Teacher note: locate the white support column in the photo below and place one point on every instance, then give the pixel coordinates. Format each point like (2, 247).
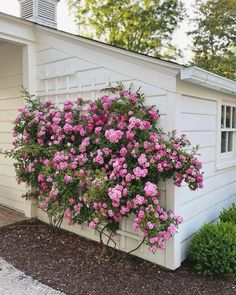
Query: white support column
(29, 76)
(29, 82)
(173, 251)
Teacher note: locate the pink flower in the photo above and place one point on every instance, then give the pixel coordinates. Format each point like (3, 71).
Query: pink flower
(46, 162)
(67, 179)
(71, 201)
(154, 114)
(150, 189)
(128, 177)
(110, 213)
(129, 134)
(150, 225)
(166, 235)
(54, 193)
(68, 105)
(172, 229)
(139, 200)
(98, 159)
(48, 102)
(40, 178)
(152, 248)
(67, 213)
(138, 172)
(142, 159)
(92, 224)
(135, 226)
(85, 143)
(141, 214)
(41, 205)
(68, 128)
(123, 152)
(76, 208)
(114, 194)
(179, 219)
(49, 179)
(133, 98)
(113, 135)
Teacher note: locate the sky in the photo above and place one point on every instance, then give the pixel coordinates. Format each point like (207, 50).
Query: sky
(66, 23)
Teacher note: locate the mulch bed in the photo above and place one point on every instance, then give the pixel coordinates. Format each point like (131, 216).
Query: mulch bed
(75, 265)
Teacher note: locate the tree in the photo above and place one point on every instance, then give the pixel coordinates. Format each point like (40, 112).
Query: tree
(144, 26)
(214, 39)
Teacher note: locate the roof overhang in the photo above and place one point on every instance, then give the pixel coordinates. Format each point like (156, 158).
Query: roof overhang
(207, 79)
(27, 32)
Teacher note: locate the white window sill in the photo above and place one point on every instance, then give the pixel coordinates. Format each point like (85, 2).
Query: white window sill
(224, 164)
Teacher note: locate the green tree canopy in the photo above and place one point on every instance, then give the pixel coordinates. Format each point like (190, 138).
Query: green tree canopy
(144, 26)
(214, 39)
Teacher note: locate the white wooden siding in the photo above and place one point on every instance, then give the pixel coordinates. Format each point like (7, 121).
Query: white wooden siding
(61, 76)
(11, 77)
(198, 120)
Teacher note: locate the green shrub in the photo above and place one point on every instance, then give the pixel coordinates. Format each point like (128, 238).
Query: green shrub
(229, 215)
(213, 249)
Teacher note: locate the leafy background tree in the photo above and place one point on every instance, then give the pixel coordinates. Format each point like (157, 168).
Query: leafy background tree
(214, 39)
(144, 26)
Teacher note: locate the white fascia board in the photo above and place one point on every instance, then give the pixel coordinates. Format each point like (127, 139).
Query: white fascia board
(207, 79)
(15, 29)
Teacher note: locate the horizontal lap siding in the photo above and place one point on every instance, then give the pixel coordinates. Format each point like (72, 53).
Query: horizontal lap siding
(11, 79)
(60, 77)
(199, 122)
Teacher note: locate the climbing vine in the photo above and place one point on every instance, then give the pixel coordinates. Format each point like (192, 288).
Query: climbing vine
(101, 161)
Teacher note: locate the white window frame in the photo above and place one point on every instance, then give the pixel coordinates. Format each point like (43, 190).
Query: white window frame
(226, 159)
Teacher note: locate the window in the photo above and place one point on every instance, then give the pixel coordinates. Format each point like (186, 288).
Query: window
(228, 130)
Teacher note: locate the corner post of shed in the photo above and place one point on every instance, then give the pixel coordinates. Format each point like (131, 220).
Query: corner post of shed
(173, 249)
(29, 83)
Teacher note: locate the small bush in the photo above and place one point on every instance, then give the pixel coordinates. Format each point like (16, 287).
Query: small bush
(229, 215)
(213, 249)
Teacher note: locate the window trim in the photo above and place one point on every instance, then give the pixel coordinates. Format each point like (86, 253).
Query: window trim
(227, 159)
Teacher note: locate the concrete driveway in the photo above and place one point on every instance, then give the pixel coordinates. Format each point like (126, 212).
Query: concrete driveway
(15, 282)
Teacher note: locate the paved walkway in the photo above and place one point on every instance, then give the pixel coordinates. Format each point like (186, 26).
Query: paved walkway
(15, 282)
(9, 216)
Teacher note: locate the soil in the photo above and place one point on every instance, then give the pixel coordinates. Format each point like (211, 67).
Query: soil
(75, 265)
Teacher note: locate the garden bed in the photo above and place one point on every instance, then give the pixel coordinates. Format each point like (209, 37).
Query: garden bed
(75, 265)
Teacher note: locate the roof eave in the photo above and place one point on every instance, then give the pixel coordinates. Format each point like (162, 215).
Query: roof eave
(207, 79)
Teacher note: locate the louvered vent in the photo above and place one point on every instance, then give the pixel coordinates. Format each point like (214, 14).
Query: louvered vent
(27, 9)
(43, 12)
(47, 10)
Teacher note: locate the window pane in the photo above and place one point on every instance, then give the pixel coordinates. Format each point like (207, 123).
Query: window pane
(230, 141)
(222, 116)
(223, 142)
(234, 117)
(228, 117)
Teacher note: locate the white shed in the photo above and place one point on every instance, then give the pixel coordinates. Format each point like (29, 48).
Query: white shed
(59, 65)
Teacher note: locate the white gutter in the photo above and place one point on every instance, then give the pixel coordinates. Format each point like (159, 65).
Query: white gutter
(207, 79)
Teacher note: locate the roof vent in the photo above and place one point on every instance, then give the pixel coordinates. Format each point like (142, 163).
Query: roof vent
(43, 12)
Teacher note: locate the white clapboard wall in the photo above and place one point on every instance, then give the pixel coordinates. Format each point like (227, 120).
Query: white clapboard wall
(11, 76)
(61, 76)
(199, 119)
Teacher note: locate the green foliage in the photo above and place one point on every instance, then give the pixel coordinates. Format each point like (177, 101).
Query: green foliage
(214, 38)
(213, 250)
(229, 215)
(141, 25)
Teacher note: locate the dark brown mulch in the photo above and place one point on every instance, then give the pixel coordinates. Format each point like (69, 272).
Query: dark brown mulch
(74, 265)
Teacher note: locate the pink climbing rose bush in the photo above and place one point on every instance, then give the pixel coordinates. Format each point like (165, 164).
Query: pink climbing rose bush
(101, 162)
